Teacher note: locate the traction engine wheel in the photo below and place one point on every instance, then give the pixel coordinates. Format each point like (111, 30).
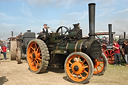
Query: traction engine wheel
(13, 47)
(37, 56)
(100, 65)
(109, 53)
(79, 67)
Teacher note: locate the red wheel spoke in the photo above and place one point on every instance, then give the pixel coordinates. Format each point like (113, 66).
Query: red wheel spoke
(77, 76)
(86, 72)
(97, 69)
(38, 49)
(35, 45)
(70, 68)
(100, 66)
(85, 66)
(107, 52)
(32, 48)
(81, 76)
(38, 54)
(112, 54)
(32, 63)
(78, 58)
(39, 59)
(70, 62)
(38, 64)
(83, 62)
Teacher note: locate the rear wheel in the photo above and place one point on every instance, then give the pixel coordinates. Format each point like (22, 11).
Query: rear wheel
(37, 56)
(79, 67)
(100, 65)
(109, 53)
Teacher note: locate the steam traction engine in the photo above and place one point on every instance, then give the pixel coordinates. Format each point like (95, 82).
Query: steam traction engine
(107, 47)
(81, 57)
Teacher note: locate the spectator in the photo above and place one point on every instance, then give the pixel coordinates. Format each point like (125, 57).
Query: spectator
(20, 35)
(4, 49)
(122, 50)
(125, 52)
(116, 53)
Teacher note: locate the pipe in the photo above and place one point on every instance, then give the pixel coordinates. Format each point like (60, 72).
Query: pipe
(110, 34)
(124, 35)
(12, 33)
(92, 20)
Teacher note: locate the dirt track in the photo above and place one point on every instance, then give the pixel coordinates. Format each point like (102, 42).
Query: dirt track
(12, 73)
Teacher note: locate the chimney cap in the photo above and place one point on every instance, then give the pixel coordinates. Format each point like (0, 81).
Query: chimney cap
(28, 30)
(91, 4)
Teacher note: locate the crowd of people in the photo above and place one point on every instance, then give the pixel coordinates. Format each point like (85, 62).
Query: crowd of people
(117, 54)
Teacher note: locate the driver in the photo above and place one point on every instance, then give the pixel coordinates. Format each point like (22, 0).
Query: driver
(46, 29)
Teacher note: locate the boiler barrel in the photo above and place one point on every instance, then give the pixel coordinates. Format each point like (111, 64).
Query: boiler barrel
(72, 46)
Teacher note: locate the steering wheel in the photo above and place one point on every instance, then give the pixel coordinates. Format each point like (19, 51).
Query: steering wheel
(62, 30)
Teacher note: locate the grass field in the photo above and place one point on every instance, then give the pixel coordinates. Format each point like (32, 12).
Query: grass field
(114, 75)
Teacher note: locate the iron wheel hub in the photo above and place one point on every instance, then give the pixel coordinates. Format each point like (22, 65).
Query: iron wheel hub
(33, 55)
(76, 68)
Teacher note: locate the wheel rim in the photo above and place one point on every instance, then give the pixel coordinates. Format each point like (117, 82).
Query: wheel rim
(34, 56)
(99, 65)
(77, 68)
(110, 56)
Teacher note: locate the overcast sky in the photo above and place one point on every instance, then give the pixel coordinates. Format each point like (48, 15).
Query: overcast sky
(20, 15)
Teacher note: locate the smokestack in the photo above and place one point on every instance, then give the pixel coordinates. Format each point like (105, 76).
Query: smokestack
(110, 34)
(124, 35)
(12, 33)
(91, 20)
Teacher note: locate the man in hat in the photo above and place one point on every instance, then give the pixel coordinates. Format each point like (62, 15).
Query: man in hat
(46, 29)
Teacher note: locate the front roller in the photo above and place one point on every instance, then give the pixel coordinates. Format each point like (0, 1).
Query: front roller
(13, 46)
(100, 65)
(79, 67)
(18, 55)
(37, 56)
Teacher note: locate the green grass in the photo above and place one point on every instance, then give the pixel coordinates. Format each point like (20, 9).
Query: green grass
(114, 75)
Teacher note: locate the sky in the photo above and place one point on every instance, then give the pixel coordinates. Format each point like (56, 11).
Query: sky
(21, 15)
